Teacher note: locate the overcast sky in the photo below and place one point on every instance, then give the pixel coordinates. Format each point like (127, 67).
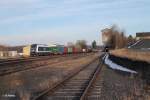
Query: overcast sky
(62, 21)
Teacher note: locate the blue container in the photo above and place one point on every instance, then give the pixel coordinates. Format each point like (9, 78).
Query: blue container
(61, 50)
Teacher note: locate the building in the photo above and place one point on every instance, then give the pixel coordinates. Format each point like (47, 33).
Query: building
(10, 51)
(143, 35)
(106, 37)
(8, 54)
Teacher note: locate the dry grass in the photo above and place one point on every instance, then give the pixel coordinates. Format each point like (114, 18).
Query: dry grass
(133, 55)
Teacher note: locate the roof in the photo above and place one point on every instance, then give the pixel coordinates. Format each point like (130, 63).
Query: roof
(142, 34)
(105, 30)
(54, 45)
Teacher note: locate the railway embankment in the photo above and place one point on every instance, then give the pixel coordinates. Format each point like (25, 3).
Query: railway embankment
(138, 62)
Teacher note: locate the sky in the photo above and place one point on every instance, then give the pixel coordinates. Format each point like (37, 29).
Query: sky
(61, 21)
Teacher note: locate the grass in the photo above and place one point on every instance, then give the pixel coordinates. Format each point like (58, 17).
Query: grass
(132, 54)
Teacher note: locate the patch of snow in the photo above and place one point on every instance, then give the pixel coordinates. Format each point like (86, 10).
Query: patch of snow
(104, 56)
(116, 66)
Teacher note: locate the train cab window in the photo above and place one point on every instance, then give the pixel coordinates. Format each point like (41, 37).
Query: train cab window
(43, 49)
(40, 49)
(46, 49)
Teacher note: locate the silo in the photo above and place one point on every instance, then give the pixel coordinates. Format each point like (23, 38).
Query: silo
(107, 37)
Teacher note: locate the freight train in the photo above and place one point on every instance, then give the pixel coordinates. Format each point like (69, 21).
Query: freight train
(45, 50)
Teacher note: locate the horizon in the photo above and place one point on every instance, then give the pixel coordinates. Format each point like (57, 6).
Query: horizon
(44, 21)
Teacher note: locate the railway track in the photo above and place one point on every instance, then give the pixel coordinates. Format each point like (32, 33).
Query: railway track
(13, 66)
(94, 89)
(75, 86)
(28, 59)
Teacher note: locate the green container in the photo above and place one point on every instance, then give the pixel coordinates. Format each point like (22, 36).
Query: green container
(54, 50)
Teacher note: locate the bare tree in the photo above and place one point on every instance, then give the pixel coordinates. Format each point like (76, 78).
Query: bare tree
(81, 44)
(70, 44)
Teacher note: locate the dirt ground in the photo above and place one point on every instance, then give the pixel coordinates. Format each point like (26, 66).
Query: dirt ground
(117, 85)
(30, 82)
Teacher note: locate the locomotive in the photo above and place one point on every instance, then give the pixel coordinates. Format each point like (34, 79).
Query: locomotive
(36, 49)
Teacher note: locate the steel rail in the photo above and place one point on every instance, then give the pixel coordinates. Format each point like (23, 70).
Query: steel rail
(84, 95)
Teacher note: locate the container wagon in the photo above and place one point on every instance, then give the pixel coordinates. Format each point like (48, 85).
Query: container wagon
(65, 50)
(57, 49)
(77, 50)
(61, 50)
(54, 50)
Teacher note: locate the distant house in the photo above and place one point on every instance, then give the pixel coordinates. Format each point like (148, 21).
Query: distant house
(143, 35)
(10, 51)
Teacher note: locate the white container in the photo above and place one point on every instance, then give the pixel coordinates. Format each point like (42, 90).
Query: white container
(12, 53)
